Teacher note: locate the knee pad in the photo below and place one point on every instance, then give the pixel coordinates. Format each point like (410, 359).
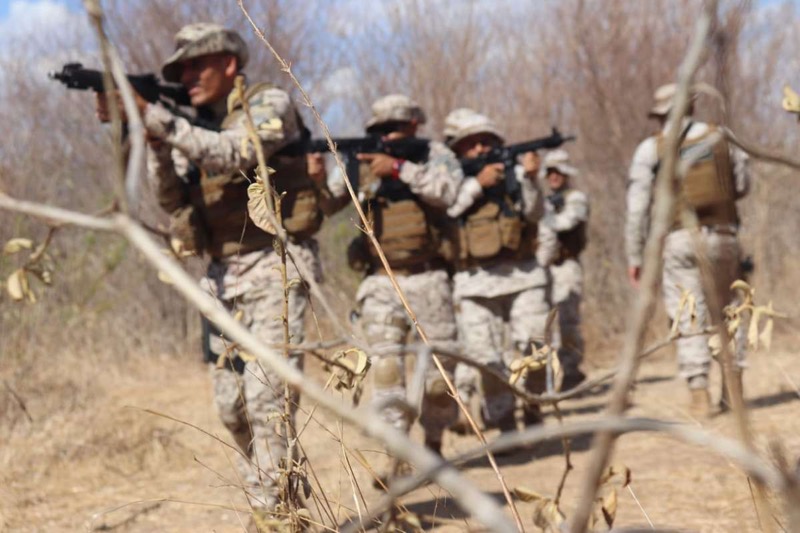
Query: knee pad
(388, 372)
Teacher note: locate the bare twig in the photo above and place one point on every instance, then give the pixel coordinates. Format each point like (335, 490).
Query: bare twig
(18, 399)
(664, 206)
(469, 497)
(750, 462)
(368, 230)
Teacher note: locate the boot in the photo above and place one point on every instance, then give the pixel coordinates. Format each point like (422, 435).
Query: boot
(572, 378)
(700, 406)
(434, 445)
(725, 402)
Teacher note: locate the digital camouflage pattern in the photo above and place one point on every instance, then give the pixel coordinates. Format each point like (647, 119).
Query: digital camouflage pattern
(216, 152)
(395, 108)
(250, 282)
(507, 295)
(387, 328)
(251, 404)
(567, 274)
(203, 38)
(681, 270)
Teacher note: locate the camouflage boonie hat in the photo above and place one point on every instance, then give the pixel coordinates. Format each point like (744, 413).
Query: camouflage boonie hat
(395, 107)
(559, 160)
(463, 122)
(199, 39)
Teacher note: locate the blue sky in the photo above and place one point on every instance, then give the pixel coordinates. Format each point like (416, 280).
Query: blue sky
(5, 5)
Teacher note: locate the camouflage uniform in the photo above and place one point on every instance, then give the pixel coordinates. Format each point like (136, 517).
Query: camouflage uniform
(424, 281)
(681, 270)
(567, 213)
(187, 162)
(501, 295)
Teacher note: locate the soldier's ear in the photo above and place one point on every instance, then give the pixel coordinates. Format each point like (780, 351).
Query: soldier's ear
(231, 65)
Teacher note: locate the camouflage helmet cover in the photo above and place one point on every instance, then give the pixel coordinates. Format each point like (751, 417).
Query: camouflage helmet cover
(395, 107)
(463, 122)
(199, 39)
(558, 160)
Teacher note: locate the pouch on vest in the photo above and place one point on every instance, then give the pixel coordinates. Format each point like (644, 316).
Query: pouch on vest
(482, 236)
(301, 214)
(402, 231)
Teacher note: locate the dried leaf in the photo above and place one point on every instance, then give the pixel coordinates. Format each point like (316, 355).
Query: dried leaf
(17, 285)
(410, 519)
(16, 245)
(547, 516)
(791, 100)
(527, 495)
(609, 507)
(616, 475)
(258, 207)
(164, 278)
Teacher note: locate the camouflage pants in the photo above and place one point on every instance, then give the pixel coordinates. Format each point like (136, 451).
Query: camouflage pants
(248, 401)
(567, 295)
(682, 273)
(386, 325)
(484, 325)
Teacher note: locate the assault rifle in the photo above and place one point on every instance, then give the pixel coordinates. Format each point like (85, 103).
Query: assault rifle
(411, 149)
(508, 156)
(173, 96)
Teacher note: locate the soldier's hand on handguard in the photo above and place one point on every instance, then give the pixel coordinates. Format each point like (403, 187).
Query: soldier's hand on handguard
(316, 168)
(381, 165)
(634, 273)
(491, 175)
(103, 112)
(531, 163)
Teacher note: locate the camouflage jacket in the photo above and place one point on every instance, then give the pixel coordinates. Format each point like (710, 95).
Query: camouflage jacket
(216, 152)
(641, 178)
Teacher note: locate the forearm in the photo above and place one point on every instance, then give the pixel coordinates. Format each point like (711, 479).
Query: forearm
(163, 178)
(469, 192)
(214, 151)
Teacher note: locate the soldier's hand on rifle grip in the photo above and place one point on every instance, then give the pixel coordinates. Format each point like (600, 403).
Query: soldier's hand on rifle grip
(491, 175)
(531, 163)
(104, 113)
(379, 164)
(102, 109)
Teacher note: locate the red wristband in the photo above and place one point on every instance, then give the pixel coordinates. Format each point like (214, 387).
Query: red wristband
(397, 166)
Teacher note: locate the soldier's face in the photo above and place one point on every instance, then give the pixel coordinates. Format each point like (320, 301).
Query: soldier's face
(555, 179)
(476, 145)
(394, 130)
(208, 78)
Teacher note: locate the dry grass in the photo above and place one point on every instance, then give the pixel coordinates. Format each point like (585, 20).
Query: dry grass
(92, 452)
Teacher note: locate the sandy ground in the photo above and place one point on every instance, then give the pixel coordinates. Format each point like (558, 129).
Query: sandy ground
(109, 465)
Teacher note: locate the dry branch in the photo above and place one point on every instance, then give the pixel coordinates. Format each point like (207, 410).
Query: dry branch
(368, 230)
(664, 206)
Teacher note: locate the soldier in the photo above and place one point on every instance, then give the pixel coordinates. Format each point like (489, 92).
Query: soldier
(710, 189)
(499, 282)
(567, 213)
(406, 202)
(197, 175)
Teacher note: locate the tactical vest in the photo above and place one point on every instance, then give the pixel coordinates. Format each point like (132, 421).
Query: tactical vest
(408, 231)
(709, 187)
(494, 230)
(218, 203)
(571, 242)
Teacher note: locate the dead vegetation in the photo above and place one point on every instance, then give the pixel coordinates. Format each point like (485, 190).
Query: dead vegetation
(590, 68)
